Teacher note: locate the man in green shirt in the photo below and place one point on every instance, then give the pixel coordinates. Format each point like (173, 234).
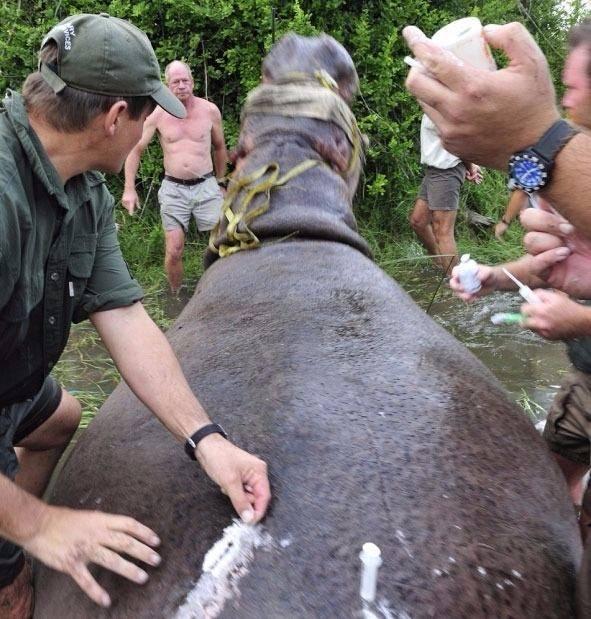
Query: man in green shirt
(60, 262)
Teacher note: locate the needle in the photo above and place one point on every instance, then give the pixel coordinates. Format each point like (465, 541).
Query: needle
(525, 291)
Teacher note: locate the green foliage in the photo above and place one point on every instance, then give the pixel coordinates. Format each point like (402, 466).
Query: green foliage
(224, 42)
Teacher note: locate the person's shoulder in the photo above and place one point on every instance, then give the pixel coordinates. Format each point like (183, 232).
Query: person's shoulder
(95, 178)
(97, 188)
(13, 161)
(208, 106)
(156, 117)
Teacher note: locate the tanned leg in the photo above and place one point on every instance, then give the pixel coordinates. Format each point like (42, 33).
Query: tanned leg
(573, 474)
(420, 220)
(443, 230)
(39, 452)
(173, 260)
(585, 515)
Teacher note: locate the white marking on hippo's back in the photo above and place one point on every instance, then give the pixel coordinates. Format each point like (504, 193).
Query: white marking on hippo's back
(223, 566)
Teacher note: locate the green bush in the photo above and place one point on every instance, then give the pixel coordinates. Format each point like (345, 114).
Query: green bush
(224, 42)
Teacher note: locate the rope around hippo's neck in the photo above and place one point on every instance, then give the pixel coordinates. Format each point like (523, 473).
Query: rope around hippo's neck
(246, 238)
(295, 95)
(306, 96)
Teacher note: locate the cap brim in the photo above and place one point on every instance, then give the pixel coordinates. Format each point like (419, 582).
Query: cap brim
(168, 102)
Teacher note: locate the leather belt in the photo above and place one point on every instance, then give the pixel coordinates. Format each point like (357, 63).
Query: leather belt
(188, 182)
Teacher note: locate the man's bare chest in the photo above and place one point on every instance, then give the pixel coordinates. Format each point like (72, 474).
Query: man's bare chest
(194, 129)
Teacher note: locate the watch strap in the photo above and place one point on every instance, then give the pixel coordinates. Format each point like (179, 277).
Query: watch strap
(555, 138)
(193, 440)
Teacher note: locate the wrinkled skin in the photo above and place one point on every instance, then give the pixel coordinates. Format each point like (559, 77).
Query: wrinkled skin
(377, 426)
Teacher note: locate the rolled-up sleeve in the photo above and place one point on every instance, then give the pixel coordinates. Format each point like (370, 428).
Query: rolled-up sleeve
(110, 284)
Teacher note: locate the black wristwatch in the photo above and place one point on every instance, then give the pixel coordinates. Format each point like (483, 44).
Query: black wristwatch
(192, 442)
(530, 169)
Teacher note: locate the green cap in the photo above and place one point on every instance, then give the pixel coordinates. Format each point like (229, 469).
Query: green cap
(106, 56)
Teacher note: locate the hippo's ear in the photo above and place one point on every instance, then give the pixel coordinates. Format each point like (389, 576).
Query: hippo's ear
(341, 66)
(294, 54)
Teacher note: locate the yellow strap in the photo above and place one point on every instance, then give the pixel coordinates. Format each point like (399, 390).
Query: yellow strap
(245, 238)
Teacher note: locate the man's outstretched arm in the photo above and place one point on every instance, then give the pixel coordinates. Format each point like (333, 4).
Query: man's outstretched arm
(130, 198)
(150, 368)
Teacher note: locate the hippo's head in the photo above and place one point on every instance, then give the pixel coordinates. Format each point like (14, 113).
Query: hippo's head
(299, 154)
(295, 54)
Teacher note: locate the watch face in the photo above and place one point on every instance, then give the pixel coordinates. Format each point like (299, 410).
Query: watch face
(528, 172)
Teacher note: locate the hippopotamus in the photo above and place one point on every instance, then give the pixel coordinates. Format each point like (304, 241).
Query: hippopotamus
(377, 425)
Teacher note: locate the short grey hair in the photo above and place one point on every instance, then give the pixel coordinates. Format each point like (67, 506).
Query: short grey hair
(167, 69)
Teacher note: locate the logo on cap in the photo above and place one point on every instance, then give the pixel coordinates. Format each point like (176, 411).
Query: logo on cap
(68, 33)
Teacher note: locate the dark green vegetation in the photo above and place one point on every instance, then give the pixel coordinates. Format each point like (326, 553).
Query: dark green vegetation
(224, 42)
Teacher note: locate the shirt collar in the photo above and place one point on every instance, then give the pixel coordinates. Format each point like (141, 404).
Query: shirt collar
(76, 190)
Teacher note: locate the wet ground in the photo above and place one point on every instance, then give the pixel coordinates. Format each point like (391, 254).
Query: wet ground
(529, 367)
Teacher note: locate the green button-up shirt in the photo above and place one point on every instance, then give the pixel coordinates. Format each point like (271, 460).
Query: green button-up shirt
(59, 255)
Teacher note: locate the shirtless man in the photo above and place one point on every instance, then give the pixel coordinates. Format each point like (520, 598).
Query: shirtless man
(189, 185)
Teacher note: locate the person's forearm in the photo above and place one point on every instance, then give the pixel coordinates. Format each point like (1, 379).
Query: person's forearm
(150, 368)
(220, 159)
(521, 269)
(132, 164)
(569, 191)
(20, 512)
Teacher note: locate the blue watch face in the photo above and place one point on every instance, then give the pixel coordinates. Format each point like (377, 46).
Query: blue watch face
(528, 173)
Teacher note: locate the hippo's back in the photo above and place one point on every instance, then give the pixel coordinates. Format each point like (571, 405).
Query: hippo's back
(377, 426)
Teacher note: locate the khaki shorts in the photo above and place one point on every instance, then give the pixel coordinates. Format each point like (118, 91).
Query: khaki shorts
(568, 426)
(178, 202)
(440, 188)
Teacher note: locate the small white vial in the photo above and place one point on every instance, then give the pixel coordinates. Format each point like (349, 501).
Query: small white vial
(371, 560)
(467, 272)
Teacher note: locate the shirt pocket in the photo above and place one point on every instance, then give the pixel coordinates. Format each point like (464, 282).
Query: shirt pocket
(81, 263)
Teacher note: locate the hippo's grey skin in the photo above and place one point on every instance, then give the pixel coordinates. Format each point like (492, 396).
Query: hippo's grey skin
(377, 426)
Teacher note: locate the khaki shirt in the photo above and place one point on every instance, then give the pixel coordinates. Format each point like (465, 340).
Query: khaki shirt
(59, 256)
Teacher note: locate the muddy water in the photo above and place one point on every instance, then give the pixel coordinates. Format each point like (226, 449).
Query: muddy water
(529, 367)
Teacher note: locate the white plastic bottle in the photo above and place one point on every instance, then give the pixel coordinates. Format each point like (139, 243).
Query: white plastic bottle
(467, 272)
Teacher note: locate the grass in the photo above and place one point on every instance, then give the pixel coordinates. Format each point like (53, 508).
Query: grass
(534, 410)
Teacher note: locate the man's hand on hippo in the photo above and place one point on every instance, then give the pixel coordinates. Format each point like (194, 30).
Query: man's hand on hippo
(485, 116)
(240, 475)
(68, 540)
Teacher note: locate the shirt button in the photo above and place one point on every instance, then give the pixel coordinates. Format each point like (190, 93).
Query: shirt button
(54, 276)
(51, 320)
